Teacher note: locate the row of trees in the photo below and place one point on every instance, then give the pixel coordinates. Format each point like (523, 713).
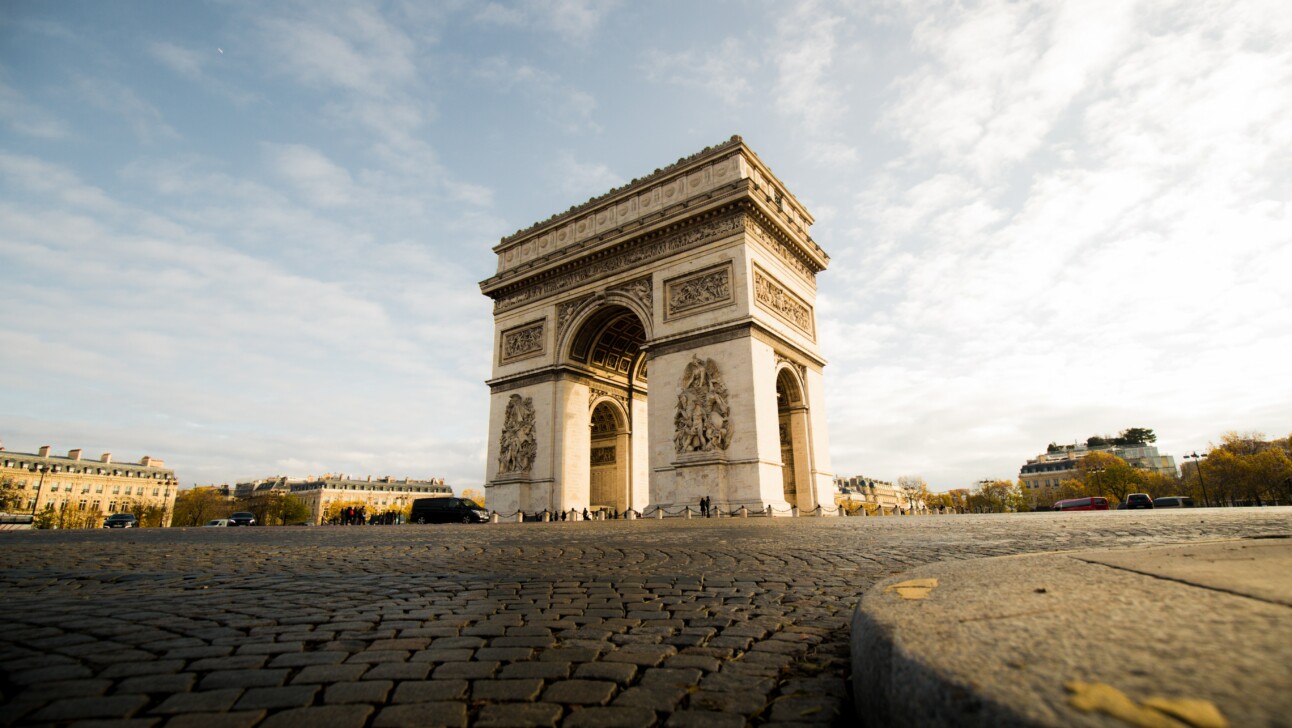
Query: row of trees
(1244, 469)
(197, 506)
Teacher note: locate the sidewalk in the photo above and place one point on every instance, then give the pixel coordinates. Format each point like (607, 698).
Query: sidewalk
(1197, 634)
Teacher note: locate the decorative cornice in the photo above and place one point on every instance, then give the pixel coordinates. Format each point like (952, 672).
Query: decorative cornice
(733, 143)
(628, 254)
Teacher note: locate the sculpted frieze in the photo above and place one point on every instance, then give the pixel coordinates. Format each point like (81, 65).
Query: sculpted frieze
(524, 341)
(702, 422)
(640, 289)
(772, 296)
(603, 456)
(700, 291)
(517, 444)
(783, 251)
(632, 256)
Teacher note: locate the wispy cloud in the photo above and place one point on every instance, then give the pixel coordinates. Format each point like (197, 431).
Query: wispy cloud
(569, 108)
(144, 119)
(28, 118)
(574, 21)
(723, 72)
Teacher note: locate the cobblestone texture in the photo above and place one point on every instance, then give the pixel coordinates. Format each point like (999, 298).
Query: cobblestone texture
(665, 623)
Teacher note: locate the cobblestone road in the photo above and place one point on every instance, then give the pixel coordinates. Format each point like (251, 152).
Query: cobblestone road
(674, 623)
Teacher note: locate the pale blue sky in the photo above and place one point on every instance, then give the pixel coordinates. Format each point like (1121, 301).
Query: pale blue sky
(246, 237)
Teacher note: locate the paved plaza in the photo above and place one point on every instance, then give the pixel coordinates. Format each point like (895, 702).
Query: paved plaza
(674, 623)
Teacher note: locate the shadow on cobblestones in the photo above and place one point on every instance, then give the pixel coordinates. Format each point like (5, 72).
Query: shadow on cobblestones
(718, 622)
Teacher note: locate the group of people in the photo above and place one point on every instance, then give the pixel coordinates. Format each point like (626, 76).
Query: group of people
(706, 506)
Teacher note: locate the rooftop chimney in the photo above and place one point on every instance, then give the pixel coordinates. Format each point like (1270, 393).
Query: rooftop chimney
(44, 451)
(107, 458)
(74, 454)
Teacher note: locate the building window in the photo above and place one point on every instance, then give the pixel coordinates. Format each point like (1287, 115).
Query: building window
(85, 489)
(81, 505)
(98, 488)
(95, 505)
(116, 490)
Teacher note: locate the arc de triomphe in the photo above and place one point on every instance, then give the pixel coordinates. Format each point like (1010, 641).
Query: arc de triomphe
(658, 344)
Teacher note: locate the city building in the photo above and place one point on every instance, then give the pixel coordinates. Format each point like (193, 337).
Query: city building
(96, 488)
(875, 495)
(1059, 463)
(375, 496)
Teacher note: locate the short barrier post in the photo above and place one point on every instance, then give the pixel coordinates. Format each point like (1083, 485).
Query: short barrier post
(630, 514)
(818, 510)
(493, 517)
(688, 513)
(744, 512)
(769, 510)
(659, 512)
(794, 511)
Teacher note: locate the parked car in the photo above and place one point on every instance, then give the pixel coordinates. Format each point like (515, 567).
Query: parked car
(121, 520)
(242, 518)
(1173, 501)
(1094, 503)
(1138, 500)
(447, 510)
(218, 522)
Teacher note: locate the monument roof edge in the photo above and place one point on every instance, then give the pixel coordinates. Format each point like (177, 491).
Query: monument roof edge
(734, 143)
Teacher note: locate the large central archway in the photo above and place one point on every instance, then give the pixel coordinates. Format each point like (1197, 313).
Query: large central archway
(606, 348)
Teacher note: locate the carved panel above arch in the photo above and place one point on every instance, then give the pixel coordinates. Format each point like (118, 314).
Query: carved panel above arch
(641, 289)
(700, 291)
(771, 296)
(524, 341)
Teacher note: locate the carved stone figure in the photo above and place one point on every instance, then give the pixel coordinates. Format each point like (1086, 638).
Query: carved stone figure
(517, 445)
(702, 422)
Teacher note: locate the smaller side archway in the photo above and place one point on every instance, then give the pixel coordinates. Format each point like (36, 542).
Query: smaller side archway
(609, 458)
(796, 455)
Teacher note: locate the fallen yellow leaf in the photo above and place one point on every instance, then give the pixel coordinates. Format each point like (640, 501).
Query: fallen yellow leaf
(1197, 713)
(1091, 697)
(913, 589)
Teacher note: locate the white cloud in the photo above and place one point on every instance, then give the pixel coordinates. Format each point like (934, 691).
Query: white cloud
(561, 104)
(28, 118)
(318, 178)
(722, 72)
(1052, 251)
(575, 21)
(583, 180)
(145, 120)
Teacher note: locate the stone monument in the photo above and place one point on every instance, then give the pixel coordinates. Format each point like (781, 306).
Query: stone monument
(701, 275)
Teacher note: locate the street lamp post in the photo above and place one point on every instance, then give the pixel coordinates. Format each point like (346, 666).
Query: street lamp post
(35, 503)
(1197, 463)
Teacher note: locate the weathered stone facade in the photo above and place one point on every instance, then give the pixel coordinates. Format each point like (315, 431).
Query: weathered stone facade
(692, 290)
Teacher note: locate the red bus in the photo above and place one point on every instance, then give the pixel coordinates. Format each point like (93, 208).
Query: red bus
(1082, 504)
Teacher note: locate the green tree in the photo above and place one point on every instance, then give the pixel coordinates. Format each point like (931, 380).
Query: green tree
(1107, 475)
(915, 490)
(277, 508)
(995, 496)
(196, 506)
(1135, 436)
(10, 499)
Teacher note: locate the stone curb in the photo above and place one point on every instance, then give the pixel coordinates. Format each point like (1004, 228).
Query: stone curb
(1016, 640)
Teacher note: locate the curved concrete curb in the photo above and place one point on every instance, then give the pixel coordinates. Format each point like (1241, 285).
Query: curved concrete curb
(1005, 641)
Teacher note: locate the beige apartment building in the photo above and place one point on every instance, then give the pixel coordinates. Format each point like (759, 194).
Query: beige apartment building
(876, 495)
(1048, 470)
(100, 487)
(376, 496)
